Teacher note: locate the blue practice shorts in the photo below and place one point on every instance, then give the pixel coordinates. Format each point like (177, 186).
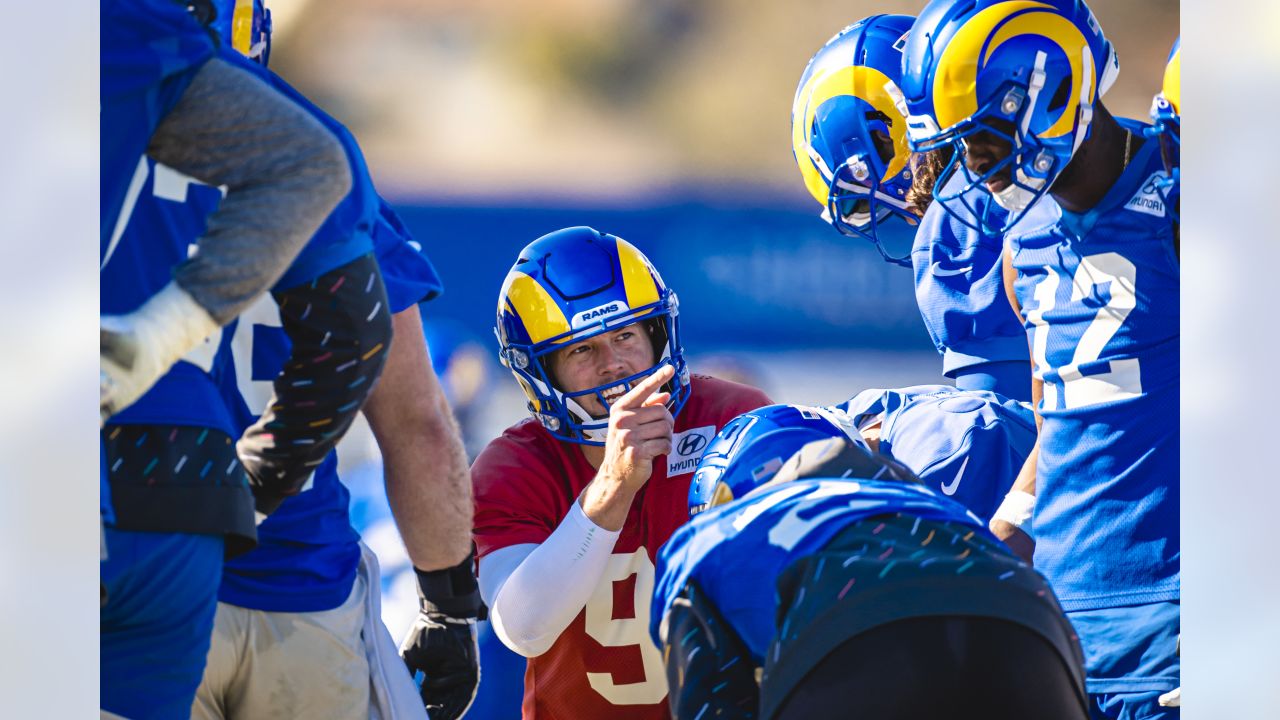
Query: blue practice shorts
(162, 591)
(1131, 658)
(1130, 706)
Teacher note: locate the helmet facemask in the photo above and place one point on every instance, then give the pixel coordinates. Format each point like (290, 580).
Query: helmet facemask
(1029, 166)
(991, 72)
(560, 412)
(863, 199)
(860, 203)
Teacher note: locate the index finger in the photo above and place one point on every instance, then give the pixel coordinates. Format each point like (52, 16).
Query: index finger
(646, 387)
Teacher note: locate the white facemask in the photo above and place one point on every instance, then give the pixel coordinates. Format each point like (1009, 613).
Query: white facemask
(1017, 197)
(1014, 198)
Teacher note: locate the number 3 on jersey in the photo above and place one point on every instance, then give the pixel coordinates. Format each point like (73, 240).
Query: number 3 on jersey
(622, 632)
(1123, 378)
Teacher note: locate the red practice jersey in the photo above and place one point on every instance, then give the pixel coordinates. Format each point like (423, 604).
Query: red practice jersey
(604, 665)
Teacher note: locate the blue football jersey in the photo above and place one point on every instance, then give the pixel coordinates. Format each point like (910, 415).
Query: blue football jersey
(960, 291)
(149, 52)
(1099, 296)
(166, 218)
(347, 232)
(967, 444)
(737, 551)
(307, 551)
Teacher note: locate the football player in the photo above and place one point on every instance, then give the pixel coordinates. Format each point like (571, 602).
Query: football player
(1166, 117)
(311, 574)
(848, 132)
(572, 504)
(169, 91)
(825, 581)
(1014, 90)
(967, 444)
(308, 355)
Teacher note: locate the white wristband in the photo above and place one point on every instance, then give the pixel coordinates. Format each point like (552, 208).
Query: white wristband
(140, 347)
(1017, 509)
(171, 323)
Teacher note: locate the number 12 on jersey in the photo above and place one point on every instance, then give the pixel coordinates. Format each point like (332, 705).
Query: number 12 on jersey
(1122, 378)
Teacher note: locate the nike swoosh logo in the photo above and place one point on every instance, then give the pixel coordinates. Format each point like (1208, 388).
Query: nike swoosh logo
(938, 270)
(950, 488)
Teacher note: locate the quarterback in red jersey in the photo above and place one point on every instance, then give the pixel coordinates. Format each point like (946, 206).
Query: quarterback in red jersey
(573, 504)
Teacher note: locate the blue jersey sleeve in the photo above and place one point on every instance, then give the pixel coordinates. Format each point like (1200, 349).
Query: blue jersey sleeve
(877, 402)
(408, 274)
(966, 444)
(149, 52)
(347, 233)
(960, 291)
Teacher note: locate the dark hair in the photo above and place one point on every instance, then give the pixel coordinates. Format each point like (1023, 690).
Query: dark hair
(925, 169)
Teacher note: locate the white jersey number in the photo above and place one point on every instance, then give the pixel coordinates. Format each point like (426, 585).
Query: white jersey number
(622, 632)
(1124, 378)
(262, 313)
(169, 184)
(789, 531)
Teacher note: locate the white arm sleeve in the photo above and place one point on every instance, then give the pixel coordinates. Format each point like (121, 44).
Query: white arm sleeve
(535, 591)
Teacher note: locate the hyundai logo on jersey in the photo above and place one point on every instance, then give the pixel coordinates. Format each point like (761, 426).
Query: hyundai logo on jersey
(686, 449)
(1148, 198)
(692, 444)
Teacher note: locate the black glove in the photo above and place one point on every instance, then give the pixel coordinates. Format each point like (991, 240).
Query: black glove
(441, 644)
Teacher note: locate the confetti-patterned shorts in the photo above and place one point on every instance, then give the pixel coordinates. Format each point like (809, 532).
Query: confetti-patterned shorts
(894, 567)
(179, 479)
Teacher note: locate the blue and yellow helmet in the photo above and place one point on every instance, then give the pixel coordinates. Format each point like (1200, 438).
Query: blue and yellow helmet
(571, 285)
(244, 26)
(1166, 118)
(1038, 67)
(848, 134)
(752, 447)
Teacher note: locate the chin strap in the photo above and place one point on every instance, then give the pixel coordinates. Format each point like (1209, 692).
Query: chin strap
(1086, 105)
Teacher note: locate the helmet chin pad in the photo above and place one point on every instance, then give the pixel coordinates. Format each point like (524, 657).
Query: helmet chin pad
(590, 427)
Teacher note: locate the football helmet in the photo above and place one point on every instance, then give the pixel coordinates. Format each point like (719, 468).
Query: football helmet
(571, 285)
(848, 134)
(752, 447)
(244, 26)
(1026, 72)
(1166, 118)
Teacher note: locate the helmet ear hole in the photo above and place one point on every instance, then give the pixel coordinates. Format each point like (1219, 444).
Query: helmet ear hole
(1059, 99)
(657, 331)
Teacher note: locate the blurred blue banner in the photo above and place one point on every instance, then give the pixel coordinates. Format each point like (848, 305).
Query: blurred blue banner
(747, 276)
